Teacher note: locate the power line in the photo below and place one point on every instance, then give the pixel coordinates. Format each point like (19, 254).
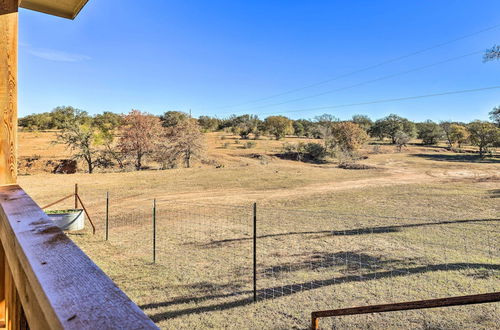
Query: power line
(365, 82)
(361, 83)
(463, 91)
(371, 67)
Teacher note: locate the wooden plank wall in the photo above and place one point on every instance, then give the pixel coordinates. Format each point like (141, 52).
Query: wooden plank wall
(8, 91)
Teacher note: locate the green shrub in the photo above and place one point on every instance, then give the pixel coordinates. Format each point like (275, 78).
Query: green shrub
(313, 152)
(250, 145)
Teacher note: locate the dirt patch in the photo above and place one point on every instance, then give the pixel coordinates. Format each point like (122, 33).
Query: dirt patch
(36, 164)
(65, 166)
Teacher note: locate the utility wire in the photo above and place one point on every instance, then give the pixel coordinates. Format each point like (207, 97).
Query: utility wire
(361, 83)
(371, 67)
(463, 91)
(367, 81)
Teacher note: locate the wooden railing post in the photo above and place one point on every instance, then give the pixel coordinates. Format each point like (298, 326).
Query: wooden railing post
(76, 196)
(8, 91)
(14, 315)
(2, 287)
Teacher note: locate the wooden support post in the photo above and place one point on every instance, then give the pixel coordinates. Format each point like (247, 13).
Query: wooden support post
(2, 287)
(8, 91)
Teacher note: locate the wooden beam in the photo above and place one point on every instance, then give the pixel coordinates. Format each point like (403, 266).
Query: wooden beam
(59, 287)
(8, 6)
(8, 91)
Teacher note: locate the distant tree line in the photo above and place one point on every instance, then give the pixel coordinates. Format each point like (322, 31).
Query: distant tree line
(110, 140)
(174, 138)
(398, 130)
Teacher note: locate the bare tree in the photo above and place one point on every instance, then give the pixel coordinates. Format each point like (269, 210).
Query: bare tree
(401, 139)
(492, 54)
(495, 116)
(140, 134)
(111, 153)
(186, 141)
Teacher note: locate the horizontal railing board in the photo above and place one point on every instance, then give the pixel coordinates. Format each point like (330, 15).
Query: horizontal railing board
(409, 305)
(59, 286)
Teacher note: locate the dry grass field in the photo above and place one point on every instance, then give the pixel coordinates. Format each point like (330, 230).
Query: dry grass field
(423, 223)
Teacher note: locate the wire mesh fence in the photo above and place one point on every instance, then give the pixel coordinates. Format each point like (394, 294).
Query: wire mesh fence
(197, 240)
(130, 227)
(302, 250)
(311, 259)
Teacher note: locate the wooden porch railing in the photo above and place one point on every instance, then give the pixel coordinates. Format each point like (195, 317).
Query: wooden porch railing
(48, 282)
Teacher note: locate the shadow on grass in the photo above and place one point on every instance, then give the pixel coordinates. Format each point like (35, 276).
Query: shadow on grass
(356, 231)
(495, 193)
(392, 229)
(188, 300)
(292, 156)
(349, 261)
(459, 158)
(286, 290)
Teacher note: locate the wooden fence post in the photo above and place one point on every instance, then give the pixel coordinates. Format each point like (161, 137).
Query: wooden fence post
(76, 196)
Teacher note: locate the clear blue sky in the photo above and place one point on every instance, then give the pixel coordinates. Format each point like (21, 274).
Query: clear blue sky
(159, 55)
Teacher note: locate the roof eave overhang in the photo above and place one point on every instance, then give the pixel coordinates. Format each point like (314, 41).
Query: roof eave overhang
(62, 8)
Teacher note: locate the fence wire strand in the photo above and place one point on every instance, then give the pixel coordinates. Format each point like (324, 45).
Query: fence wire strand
(326, 259)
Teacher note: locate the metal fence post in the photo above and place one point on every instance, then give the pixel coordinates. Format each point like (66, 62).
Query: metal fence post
(107, 215)
(254, 252)
(154, 230)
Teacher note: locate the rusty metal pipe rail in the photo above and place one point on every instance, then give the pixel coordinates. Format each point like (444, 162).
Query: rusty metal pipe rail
(77, 199)
(410, 305)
